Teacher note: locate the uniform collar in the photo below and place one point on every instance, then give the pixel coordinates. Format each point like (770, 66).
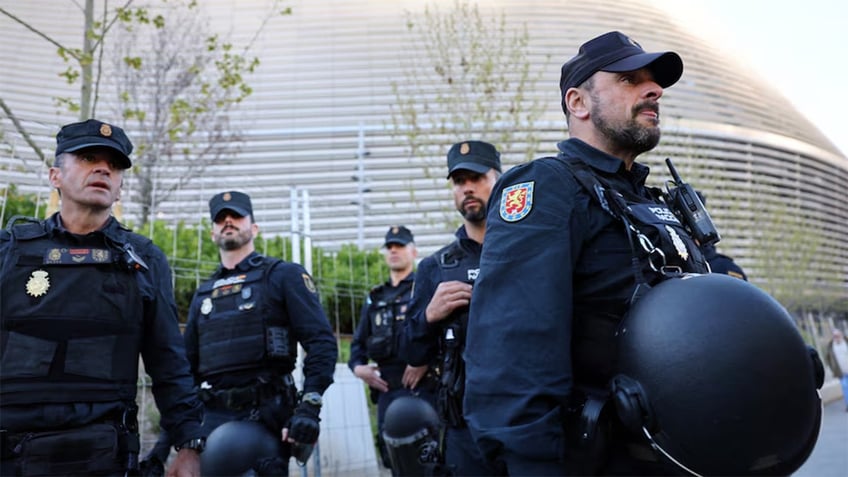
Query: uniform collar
(602, 161)
(244, 266)
(464, 240)
(53, 225)
(407, 279)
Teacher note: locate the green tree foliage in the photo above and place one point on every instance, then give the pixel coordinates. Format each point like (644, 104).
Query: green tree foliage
(177, 82)
(14, 203)
(190, 252)
(344, 278)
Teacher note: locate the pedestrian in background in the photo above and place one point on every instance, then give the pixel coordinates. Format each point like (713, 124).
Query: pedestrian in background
(836, 357)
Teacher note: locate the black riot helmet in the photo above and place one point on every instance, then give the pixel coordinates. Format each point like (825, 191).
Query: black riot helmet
(714, 373)
(237, 447)
(411, 434)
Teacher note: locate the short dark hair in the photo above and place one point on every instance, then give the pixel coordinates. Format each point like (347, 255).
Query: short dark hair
(59, 160)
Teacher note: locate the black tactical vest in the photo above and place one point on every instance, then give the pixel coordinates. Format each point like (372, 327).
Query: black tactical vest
(386, 314)
(661, 248)
(238, 327)
(71, 320)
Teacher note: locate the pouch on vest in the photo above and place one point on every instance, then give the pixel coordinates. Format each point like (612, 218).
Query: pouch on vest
(380, 345)
(82, 451)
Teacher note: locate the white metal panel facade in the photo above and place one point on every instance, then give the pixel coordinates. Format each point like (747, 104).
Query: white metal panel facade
(326, 77)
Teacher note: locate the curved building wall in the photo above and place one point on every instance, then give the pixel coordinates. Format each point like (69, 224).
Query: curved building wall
(322, 108)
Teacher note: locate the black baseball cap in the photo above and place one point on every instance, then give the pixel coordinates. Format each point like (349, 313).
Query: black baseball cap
(477, 156)
(238, 202)
(91, 133)
(616, 52)
(398, 234)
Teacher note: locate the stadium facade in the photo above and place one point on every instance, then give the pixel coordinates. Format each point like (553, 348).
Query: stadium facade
(320, 120)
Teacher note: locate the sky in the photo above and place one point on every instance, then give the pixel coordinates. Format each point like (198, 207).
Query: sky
(796, 45)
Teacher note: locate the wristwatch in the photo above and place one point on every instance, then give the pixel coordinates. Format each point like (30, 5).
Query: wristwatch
(197, 444)
(312, 398)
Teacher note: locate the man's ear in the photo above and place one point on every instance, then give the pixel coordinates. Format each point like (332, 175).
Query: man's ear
(54, 176)
(577, 102)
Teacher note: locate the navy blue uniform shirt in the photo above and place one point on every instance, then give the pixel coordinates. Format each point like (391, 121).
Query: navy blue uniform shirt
(420, 340)
(550, 250)
(162, 346)
(307, 323)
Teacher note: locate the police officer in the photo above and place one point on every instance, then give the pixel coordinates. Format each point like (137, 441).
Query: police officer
(81, 297)
(719, 262)
(243, 327)
(570, 240)
(439, 309)
(377, 335)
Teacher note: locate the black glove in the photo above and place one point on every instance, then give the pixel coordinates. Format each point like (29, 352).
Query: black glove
(305, 424)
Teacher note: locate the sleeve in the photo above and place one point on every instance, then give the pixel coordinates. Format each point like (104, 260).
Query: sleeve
(309, 324)
(190, 337)
(518, 351)
(358, 347)
(163, 352)
(419, 340)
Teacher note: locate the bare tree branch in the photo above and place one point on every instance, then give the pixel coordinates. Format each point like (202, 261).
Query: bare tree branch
(23, 132)
(39, 33)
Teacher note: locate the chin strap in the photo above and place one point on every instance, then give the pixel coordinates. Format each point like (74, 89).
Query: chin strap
(668, 456)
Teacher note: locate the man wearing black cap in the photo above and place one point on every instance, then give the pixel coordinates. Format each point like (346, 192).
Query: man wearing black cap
(377, 335)
(82, 297)
(241, 338)
(563, 257)
(439, 310)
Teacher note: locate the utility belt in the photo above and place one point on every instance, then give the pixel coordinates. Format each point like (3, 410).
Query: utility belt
(249, 397)
(109, 445)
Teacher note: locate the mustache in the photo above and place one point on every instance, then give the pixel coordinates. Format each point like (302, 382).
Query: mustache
(472, 200)
(233, 227)
(647, 105)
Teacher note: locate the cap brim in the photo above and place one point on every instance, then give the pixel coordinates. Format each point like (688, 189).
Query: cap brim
(469, 166)
(397, 241)
(240, 211)
(667, 67)
(126, 162)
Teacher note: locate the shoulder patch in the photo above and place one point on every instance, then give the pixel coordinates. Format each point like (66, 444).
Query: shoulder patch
(310, 285)
(517, 201)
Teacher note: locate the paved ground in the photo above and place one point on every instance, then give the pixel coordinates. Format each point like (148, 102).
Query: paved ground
(830, 457)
